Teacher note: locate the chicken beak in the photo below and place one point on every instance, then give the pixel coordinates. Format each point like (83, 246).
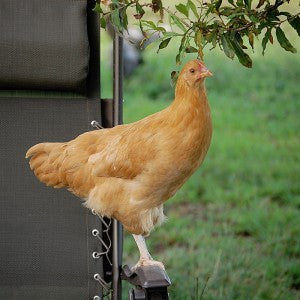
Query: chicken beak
(204, 74)
(208, 74)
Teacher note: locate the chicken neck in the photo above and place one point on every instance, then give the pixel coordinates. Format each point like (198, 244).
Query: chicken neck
(189, 93)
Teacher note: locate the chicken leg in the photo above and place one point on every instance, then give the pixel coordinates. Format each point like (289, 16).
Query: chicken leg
(145, 257)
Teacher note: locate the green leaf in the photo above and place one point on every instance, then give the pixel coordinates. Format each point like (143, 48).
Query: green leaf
(149, 24)
(210, 8)
(212, 38)
(178, 23)
(243, 57)
(182, 44)
(178, 59)
(248, 3)
(295, 23)
(191, 49)
(143, 32)
(171, 33)
(115, 4)
(140, 11)
(240, 3)
(123, 18)
(236, 14)
(227, 46)
(181, 50)
(139, 8)
(115, 19)
(251, 39)
(226, 11)
(218, 4)
(193, 7)
(98, 8)
(183, 9)
(285, 13)
(240, 40)
(161, 29)
(283, 41)
(260, 3)
(254, 19)
(102, 23)
(164, 43)
(265, 40)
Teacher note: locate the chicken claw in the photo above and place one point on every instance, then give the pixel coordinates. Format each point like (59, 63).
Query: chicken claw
(148, 262)
(145, 257)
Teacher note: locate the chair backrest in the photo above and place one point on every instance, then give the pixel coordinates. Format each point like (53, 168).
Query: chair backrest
(50, 91)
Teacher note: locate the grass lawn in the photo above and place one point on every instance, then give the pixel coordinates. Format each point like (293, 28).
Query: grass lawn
(234, 228)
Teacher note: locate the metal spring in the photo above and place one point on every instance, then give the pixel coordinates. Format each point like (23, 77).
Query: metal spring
(96, 233)
(104, 284)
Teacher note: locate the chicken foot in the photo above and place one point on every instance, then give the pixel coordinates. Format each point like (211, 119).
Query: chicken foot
(145, 257)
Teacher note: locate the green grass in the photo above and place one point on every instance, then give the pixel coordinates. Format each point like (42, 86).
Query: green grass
(235, 225)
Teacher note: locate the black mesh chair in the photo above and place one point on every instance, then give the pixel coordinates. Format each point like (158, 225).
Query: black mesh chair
(50, 246)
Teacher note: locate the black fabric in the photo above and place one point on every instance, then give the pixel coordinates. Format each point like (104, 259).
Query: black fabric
(43, 293)
(93, 79)
(44, 45)
(46, 240)
(46, 243)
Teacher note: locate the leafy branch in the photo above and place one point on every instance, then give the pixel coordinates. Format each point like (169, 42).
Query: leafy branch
(230, 25)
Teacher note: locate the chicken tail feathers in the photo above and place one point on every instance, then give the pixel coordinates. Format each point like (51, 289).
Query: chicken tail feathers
(45, 161)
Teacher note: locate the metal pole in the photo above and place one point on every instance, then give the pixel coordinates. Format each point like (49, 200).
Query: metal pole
(117, 231)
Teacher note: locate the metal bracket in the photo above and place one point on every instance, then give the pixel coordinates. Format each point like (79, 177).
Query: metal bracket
(150, 282)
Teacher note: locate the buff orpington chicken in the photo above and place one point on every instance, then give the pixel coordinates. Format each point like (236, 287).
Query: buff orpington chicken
(129, 171)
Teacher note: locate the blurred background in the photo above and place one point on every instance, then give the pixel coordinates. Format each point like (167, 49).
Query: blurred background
(233, 230)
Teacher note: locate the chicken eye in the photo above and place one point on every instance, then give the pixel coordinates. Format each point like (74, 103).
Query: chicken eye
(192, 70)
